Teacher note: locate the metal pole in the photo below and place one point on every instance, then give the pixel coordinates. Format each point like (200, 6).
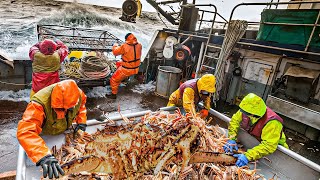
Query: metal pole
(169, 108)
(273, 3)
(165, 14)
(183, 34)
(277, 48)
(186, 40)
(287, 24)
(201, 19)
(118, 117)
(21, 164)
(311, 35)
(200, 59)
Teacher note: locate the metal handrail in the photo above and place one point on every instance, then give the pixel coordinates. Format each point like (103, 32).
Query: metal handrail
(225, 21)
(215, 12)
(278, 48)
(283, 3)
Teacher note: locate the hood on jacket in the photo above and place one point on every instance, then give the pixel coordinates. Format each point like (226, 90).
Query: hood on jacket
(253, 104)
(131, 39)
(65, 95)
(207, 83)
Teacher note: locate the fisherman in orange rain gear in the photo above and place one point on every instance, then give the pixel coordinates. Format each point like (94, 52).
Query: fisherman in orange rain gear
(191, 92)
(46, 57)
(51, 111)
(131, 53)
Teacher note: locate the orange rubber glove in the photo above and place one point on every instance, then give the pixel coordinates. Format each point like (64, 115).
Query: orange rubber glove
(204, 113)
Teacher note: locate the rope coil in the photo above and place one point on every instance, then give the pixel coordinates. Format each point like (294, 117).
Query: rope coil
(236, 29)
(89, 68)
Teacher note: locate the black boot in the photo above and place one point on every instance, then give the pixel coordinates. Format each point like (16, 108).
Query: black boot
(111, 96)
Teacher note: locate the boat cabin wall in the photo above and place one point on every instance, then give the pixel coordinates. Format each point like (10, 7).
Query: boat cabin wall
(160, 53)
(289, 93)
(252, 71)
(16, 76)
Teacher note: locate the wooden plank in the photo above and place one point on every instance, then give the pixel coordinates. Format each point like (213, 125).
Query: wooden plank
(9, 175)
(304, 6)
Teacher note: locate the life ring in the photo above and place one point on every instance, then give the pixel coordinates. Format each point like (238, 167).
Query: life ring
(181, 52)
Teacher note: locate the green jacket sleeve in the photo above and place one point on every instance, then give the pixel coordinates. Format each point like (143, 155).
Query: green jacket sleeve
(270, 137)
(234, 125)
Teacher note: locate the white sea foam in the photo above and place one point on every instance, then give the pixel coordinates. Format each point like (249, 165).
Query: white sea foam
(21, 95)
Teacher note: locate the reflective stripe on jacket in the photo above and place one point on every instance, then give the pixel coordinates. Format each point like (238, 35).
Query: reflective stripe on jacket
(130, 52)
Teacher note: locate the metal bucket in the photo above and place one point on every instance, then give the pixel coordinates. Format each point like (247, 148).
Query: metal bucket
(167, 80)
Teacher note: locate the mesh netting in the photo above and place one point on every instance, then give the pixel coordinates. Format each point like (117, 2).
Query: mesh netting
(79, 38)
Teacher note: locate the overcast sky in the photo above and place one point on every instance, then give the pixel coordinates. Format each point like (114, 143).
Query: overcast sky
(224, 7)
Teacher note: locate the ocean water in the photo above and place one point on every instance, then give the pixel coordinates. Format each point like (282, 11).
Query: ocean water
(19, 20)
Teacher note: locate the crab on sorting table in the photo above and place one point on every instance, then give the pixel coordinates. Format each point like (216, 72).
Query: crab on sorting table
(159, 145)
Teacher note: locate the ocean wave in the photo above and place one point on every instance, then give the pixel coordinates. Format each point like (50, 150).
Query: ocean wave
(17, 37)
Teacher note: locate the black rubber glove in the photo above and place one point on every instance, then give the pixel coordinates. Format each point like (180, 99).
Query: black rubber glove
(80, 126)
(50, 167)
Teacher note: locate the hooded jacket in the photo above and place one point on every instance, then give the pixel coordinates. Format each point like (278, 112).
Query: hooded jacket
(271, 134)
(188, 99)
(51, 111)
(45, 67)
(130, 51)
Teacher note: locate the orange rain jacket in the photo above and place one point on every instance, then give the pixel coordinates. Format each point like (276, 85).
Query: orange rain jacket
(46, 114)
(130, 51)
(131, 54)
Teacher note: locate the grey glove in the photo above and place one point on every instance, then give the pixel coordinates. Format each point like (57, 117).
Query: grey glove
(50, 167)
(80, 126)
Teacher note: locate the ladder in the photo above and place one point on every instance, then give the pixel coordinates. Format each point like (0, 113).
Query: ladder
(211, 53)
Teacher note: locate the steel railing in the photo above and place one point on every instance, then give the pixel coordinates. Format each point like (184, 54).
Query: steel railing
(315, 25)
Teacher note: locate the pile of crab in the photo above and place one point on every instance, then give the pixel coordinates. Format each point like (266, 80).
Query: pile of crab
(157, 146)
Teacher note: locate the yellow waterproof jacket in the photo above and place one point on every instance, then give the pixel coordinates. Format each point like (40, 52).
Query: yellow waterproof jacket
(187, 99)
(269, 138)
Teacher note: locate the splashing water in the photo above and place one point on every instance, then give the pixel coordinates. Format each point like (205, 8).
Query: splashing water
(16, 40)
(144, 88)
(22, 95)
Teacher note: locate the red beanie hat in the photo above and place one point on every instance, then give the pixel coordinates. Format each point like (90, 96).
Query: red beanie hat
(47, 47)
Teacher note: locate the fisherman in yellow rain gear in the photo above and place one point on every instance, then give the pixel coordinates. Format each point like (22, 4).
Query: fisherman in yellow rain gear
(259, 121)
(191, 92)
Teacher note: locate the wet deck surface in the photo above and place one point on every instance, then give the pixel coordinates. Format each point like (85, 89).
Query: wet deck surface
(128, 101)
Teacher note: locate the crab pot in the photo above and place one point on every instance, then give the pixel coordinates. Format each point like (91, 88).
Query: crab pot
(167, 80)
